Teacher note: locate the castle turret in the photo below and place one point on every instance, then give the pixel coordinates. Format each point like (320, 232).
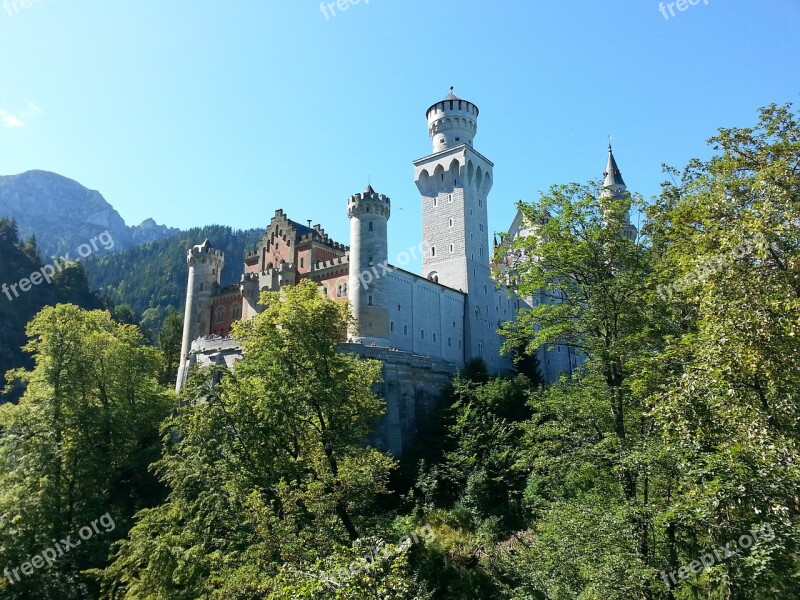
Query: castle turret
(369, 213)
(452, 122)
(614, 187)
(205, 269)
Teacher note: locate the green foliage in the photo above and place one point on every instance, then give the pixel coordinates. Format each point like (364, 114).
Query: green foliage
(17, 262)
(170, 339)
(267, 473)
(77, 446)
(678, 435)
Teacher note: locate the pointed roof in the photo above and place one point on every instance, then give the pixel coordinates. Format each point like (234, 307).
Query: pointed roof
(613, 177)
(369, 190)
(451, 95)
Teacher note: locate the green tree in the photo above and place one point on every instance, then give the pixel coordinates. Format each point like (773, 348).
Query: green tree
(170, 339)
(266, 467)
(724, 390)
(77, 446)
(9, 232)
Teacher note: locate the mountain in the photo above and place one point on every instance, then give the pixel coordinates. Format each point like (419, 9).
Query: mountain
(63, 214)
(151, 277)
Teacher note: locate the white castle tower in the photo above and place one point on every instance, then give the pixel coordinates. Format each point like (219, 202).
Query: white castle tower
(614, 187)
(369, 213)
(205, 269)
(454, 182)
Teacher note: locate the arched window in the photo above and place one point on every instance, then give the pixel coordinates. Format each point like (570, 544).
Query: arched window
(221, 314)
(344, 290)
(434, 338)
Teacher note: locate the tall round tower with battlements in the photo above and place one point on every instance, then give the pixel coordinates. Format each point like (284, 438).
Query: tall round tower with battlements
(452, 122)
(205, 269)
(369, 259)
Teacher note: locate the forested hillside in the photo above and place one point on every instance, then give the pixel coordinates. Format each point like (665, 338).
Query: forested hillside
(152, 277)
(19, 261)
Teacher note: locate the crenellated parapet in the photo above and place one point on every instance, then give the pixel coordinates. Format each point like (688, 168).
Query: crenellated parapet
(452, 122)
(369, 202)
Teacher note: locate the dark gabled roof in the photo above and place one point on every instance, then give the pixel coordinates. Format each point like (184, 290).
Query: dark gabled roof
(300, 229)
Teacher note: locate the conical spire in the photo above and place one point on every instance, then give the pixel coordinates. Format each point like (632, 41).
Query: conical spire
(613, 177)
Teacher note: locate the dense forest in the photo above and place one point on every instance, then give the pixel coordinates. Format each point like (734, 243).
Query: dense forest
(20, 262)
(667, 468)
(150, 278)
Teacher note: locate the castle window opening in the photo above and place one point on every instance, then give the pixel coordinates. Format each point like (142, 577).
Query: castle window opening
(391, 326)
(369, 300)
(434, 338)
(422, 334)
(405, 329)
(370, 225)
(220, 314)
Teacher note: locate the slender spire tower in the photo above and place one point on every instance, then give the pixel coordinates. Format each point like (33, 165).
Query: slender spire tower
(614, 187)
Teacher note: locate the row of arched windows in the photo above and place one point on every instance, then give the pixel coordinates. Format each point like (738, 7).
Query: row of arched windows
(219, 315)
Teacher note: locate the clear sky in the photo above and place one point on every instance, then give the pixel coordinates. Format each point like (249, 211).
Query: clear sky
(199, 112)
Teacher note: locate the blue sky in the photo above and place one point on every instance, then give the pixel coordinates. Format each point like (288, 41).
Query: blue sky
(221, 112)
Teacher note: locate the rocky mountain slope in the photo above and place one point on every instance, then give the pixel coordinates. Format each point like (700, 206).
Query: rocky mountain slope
(63, 214)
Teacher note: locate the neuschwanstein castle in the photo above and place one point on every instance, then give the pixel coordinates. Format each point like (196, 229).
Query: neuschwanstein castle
(422, 327)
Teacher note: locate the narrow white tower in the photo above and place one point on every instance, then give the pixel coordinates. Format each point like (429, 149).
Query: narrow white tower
(205, 269)
(614, 187)
(454, 182)
(369, 213)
